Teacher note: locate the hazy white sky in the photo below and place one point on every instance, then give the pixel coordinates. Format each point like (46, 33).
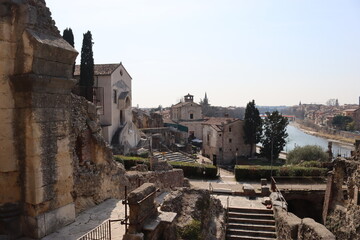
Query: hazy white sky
(276, 52)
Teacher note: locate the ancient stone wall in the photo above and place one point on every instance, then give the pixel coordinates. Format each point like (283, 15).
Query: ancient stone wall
(290, 227)
(35, 82)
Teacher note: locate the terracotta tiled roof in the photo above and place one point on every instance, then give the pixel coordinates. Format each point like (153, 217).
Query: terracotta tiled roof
(217, 123)
(180, 104)
(100, 69)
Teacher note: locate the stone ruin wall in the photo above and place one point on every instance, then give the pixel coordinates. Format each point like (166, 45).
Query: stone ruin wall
(342, 212)
(96, 176)
(54, 161)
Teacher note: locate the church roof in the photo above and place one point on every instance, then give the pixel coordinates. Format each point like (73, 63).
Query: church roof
(100, 69)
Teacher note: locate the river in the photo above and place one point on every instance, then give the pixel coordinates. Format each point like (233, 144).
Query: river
(299, 138)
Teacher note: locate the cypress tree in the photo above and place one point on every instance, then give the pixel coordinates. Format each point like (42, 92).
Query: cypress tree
(252, 126)
(87, 67)
(69, 37)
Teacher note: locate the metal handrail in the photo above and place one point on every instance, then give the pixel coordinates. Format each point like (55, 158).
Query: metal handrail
(227, 214)
(103, 231)
(282, 199)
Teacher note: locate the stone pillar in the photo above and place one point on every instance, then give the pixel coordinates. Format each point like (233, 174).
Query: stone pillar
(36, 178)
(142, 207)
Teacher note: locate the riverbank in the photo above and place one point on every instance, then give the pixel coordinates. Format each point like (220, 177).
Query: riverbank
(331, 137)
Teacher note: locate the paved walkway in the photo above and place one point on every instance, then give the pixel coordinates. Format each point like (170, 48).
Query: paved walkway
(89, 219)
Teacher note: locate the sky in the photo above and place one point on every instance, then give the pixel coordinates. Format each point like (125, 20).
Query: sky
(277, 52)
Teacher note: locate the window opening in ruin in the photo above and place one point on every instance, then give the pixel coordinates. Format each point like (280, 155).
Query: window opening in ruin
(230, 140)
(115, 95)
(121, 117)
(191, 116)
(220, 149)
(229, 129)
(78, 149)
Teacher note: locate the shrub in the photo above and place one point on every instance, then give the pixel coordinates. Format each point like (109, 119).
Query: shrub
(196, 170)
(306, 153)
(311, 164)
(249, 172)
(191, 231)
(130, 161)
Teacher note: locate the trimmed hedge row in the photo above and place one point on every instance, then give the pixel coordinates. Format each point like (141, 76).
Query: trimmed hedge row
(129, 161)
(196, 170)
(249, 172)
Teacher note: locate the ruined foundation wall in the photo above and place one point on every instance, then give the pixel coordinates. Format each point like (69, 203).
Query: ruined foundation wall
(289, 227)
(164, 180)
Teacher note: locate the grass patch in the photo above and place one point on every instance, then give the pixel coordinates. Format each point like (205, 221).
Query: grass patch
(191, 231)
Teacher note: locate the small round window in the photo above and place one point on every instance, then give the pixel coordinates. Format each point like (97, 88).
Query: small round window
(121, 72)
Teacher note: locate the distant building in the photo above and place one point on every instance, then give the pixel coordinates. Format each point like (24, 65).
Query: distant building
(112, 95)
(223, 140)
(189, 114)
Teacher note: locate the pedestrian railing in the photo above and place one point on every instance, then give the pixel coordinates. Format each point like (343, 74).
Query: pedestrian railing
(281, 197)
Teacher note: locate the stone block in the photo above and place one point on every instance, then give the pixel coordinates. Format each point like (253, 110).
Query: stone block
(46, 223)
(6, 100)
(134, 236)
(263, 181)
(248, 190)
(9, 187)
(6, 28)
(7, 67)
(6, 118)
(33, 194)
(265, 191)
(8, 156)
(8, 51)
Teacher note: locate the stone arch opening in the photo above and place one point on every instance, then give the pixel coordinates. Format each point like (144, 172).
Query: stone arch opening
(127, 102)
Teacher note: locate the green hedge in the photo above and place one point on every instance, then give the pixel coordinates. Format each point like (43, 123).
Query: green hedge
(196, 170)
(130, 161)
(248, 172)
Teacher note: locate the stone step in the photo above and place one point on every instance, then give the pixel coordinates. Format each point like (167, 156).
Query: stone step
(234, 237)
(252, 221)
(251, 215)
(251, 233)
(251, 210)
(254, 227)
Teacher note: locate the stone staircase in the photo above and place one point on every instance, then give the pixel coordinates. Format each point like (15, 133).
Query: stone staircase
(174, 157)
(250, 224)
